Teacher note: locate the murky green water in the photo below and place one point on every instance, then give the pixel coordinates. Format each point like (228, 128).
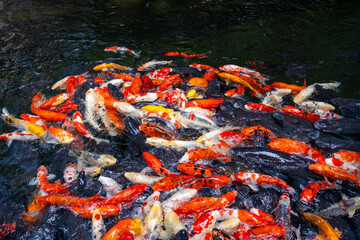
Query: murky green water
(44, 41)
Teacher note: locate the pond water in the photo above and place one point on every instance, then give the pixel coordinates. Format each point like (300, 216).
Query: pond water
(43, 41)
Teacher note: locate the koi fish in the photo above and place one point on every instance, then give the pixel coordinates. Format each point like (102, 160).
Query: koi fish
(265, 216)
(223, 201)
(246, 217)
(282, 215)
(171, 182)
(348, 156)
(22, 124)
(195, 155)
(310, 191)
(250, 132)
(294, 88)
(334, 173)
(70, 173)
(110, 186)
(259, 107)
(275, 98)
(235, 68)
(175, 144)
(160, 74)
(236, 92)
(100, 160)
(342, 208)
(196, 170)
(58, 135)
(312, 106)
(346, 166)
(173, 224)
(203, 225)
(124, 198)
(205, 103)
(54, 101)
(6, 229)
(238, 80)
(268, 231)
(300, 113)
(97, 225)
(105, 66)
(185, 55)
(193, 120)
(123, 227)
(308, 91)
(155, 164)
(195, 205)
(18, 137)
(148, 204)
(214, 181)
(139, 178)
(196, 81)
(178, 198)
(153, 222)
(153, 64)
(325, 114)
(296, 147)
(254, 179)
(47, 187)
(326, 229)
(116, 49)
(155, 131)
(229, 226)
(68, 201)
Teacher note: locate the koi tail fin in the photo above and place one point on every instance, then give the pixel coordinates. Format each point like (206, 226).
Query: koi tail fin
(336, 86)
(136, 54)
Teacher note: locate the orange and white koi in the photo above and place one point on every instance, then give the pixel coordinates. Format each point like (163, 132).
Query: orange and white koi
(201, 111)
(155, 131)
(54, 101)
(203, 225)
(236, 92)
(22, 124)
(70, 173)
(153, 222)
(34, 119)
(61, 84)
(309, 90)
(296, 147)
(169, 82)
(300, 113)
(47, 187)
(125, 108)
(325, 114)
(178, 98)
(201, 67)
(111, 187)
(185, 55)
(155, 164)
(214, 181)
(205, 154)
(97, 225)
(348, 156)
(175, 144)
(91, 115)
(196, 170)
(235, 68)
(295, 89)
(235, 138)
(259, 107)
(58, 135)
(106, 66)
(253, 180)
(326, 229)
(282, 215)
(139, 178)
(310, 191)
(170, 182)
(344, 207)
(346, 166)
(153, 64)
(249, 218)
(264, 216)
(116, 49)
(334, 173)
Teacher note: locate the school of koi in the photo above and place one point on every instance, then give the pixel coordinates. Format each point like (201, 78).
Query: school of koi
(204, 113)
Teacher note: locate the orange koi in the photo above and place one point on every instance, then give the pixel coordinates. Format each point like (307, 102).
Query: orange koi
(66, 108)
(54, 101)
(205, 103)
(236, 92)
(35, 210)
(224, 201)
(247, 217)
(215, 181)
(185, 55)
(201, 67)
(45, 114)
(294, 88)
(194, 155)
(155, 131)
(250, 132)
(171, 182)
(124, 77)
(105, 66)
(47, 187)
(254, 179)
(334, 173)
(160, 74)
(259, 107)
(155, 164)
(125, 197)
(68, 201)
(234, 138)
(327, 230)
(296, 147)
(147, 83)
(123, 227)
(237, 80)
(310, 191)
(6, 229)
(196, 81)
(242, 233)
(99, 80)
(268, 231)
(264, 216)
(136, 85)
(195, 205)
(250, 80)
(196, 170)
(300, 113)
(87, 212)
(209, 75)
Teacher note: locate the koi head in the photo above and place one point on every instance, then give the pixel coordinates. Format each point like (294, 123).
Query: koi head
(107, 160)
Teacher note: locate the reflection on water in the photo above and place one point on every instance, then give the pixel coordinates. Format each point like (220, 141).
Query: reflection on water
(43, 41)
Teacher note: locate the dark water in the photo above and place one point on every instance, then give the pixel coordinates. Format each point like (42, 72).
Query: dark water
(44, 41)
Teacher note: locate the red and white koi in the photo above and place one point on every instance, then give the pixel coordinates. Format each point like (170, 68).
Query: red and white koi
(253, 180)
(185, 55)
(346, 166)
(282, 215)
(259, 107)
(235, 68)
(348, 156)
(310, 191)
(97, 225)
(170, 182)
(308, 116)
(122, 50)
(325, 114)
(18, 136)
(107, 66)
(236, 92)
(202, 67)
(160, 74)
